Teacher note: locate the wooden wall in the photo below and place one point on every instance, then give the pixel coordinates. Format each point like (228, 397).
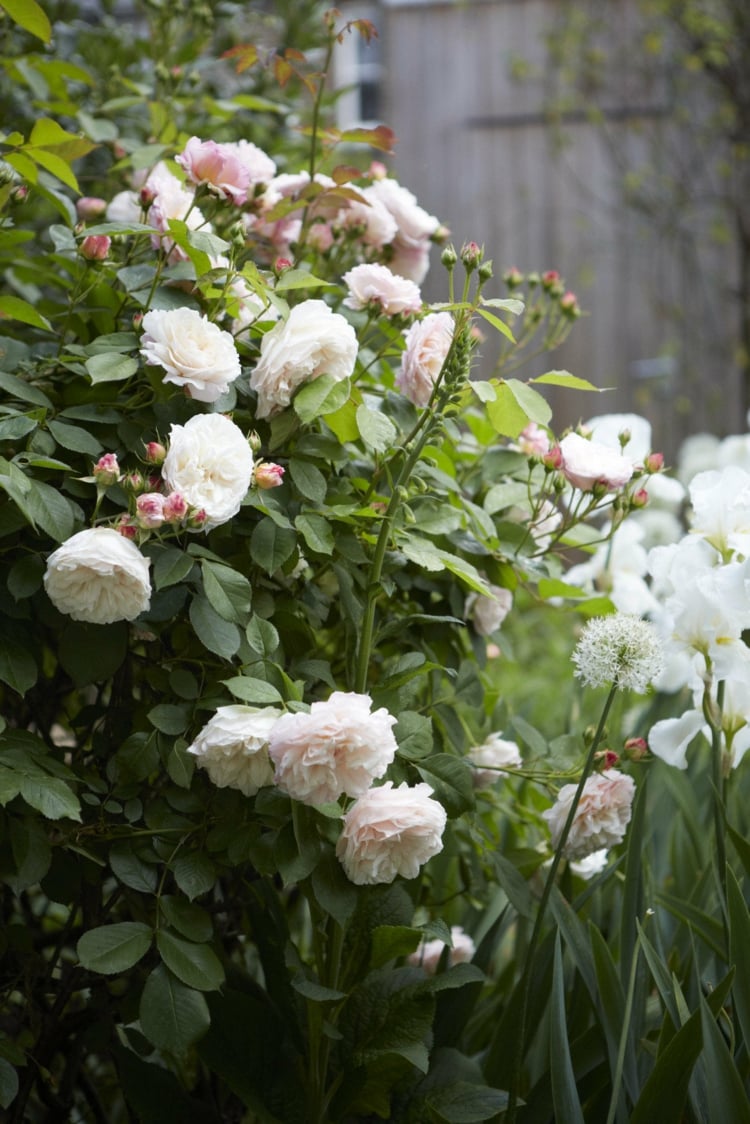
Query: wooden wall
(476, 148)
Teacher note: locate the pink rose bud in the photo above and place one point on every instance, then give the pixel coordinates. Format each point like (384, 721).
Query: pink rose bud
(377, 170)
(90, 207)
(95, 247)
(281, 264)
(607, 758)
(471, 254)
(269, 475)
(107, 470)
(197, 519)
(441, 234)
(155, 452)
(126, 527)
(553, 459)
(635, 749)
(150, 510)
(134, 481)
(640, 498)
(146, 197)
(254, 441)
(569, 305)
(175, 508)
(137, 320)
(552, 282)
(654, 462)
(20, 193)
(513, 277)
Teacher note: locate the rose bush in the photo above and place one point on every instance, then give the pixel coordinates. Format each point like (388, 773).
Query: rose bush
(288, 705)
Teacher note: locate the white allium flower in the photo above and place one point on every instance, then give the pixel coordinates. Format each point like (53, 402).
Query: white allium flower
(339, 747)
(209, 462)
(492, 758)
(233, 747)
(98, 576)
(196, 354)
(618, 649)
(602, 815)
(461, 951)
(390, 831)
(312, 341)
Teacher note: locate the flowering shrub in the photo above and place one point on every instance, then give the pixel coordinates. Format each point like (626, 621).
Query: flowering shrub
(275, 839)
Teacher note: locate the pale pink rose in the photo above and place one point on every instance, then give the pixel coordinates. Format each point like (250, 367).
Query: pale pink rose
(320, 236)
(98, 576)
(371, 219)
(338, 748)
(375, 284)
(233, 747)
(107, 470)
(488, 613)
(410, 260)
(268, 475)
(601, 817)
(587, 463)
(90, 207)
(534, 441)
(312, 341)
(169, 199)
(428, 955)
(492, 758)
(210, 464)
(196, 354)
(175, 508)
(96, 247)
(428, 342)
(390, 831)
(155, 452)
(150, 510)
(218, 166)
(260, 168)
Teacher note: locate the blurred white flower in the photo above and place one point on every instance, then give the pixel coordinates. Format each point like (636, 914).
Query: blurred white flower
(492, 759)
(460, 951)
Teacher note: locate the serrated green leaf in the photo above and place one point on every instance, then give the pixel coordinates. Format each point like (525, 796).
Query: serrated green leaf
(217, 635)
(194, 873)
(308, 480)
(180, 766)
(171, 566)
(129, 869)
(31, 17)
(74, 438)
(8, 1083)
(111, 949)
(564, 378)
(14, 308)
(172, 1015)
(170, 718)
(376, 430)
(531, 401)
(17, 666)
(315, 991)
(505, 414)
(228, 591)
(317, 533)
(496, 322)
(300, 279)
(271, 546)
(451, 781)
(197, 965)
(110, 366)
(52, 797)
(187, 918)
(262, 637)
(322, 396)
(254, 691)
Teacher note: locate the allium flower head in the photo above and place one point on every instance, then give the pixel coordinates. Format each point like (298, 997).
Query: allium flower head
(619, 649)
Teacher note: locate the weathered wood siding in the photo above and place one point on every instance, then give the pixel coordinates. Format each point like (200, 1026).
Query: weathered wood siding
(475, 147)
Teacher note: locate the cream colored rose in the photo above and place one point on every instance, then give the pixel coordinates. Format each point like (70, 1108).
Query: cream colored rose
(390, 831)
(339, 747)
(210, 464)
(312, 341)
(233, 747)
(427, 345)
(601, 817)
(99, 577)
(196, 354)
(492, 758)
(461, 951)
(488, 613)
(375, 284)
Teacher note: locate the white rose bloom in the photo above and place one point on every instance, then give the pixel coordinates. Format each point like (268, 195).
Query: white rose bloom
(721, 508)
(339, 747)
(261, 168)
(488, 613)
(415, 225)
(233, 747)
(602, 815)
(376, 284)
(209, 462)
(492, 758)
(390, 831)
(586, 463)
(99, 577)
(312, 341)
(196, 354)
(428, 342)
(428, 954)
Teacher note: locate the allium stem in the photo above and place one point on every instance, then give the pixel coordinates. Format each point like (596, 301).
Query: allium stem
(512, 1109)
